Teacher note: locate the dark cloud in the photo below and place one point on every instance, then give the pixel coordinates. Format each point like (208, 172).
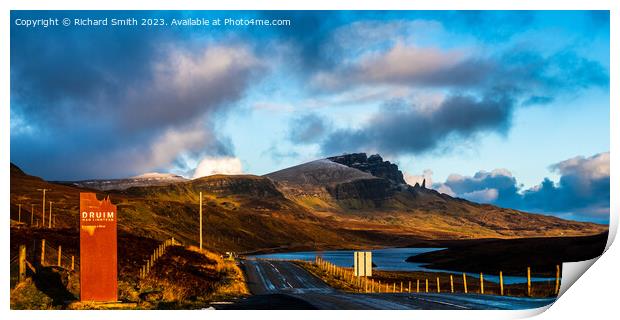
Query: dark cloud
(495, 87)
(582, 192)
(406, 129)
(309, 128)
(129, 101)
(537, 100)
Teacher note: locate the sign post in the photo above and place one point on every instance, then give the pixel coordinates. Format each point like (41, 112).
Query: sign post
(98, 261)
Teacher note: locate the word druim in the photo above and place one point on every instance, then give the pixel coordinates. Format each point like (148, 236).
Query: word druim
(98, 215)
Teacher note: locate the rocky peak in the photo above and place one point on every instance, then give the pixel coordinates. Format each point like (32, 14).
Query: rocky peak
(373, 165)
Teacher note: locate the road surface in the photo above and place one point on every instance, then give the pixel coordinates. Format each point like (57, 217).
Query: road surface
(285, 285)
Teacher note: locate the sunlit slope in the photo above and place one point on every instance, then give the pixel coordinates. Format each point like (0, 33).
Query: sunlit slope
(246, 213)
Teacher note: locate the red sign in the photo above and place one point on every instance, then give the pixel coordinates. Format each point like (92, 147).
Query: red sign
(98, 263)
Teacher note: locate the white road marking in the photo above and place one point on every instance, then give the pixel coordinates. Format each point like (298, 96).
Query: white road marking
(441, 302)
(268, 284)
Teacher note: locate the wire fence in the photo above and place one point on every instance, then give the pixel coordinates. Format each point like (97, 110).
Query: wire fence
(39, 254)
(434, 284)
(157, 253)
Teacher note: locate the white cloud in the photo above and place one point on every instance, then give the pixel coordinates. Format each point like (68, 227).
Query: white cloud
(412, 179)
(402, 64)
(445, 189)
(167, 147)
(218, 165)
(594, 167)
(486, 195)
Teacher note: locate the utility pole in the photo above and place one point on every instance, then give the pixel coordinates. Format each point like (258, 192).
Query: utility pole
(43, 204)
(31, 214)
(201, 221)
(50, 223)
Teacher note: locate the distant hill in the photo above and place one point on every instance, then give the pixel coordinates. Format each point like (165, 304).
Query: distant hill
(340, 202)
(144, 180)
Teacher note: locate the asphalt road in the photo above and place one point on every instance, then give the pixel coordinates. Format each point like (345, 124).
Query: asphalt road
(285, 285)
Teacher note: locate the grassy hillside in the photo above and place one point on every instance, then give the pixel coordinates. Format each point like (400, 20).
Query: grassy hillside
(250, 213)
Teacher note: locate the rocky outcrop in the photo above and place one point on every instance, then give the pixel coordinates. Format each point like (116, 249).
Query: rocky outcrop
(375, 190)
(373, 165)
(225, 185)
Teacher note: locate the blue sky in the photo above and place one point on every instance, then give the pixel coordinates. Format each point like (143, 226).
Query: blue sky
(459, 98)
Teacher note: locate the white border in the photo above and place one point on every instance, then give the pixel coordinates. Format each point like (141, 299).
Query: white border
(594, 295)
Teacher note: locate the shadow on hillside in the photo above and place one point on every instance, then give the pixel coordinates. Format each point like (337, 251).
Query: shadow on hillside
(53, 281)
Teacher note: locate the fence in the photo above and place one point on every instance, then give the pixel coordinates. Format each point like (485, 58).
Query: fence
(157, 253)
(40, 254)
(369, 285)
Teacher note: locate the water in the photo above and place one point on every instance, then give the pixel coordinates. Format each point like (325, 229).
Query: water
(389, 259)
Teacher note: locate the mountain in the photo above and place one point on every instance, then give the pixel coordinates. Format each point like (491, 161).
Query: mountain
(144, 180)
(368, 192)
(349, 201)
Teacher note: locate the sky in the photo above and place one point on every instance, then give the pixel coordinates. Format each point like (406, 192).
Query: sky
(501, 107)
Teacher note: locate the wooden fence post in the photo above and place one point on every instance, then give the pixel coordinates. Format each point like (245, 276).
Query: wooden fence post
(42, 252)
(72, 263)
(394, 287)
(22, 263)
(59, 255)
(438, 289)
(19, 213)
(529, 282)
(501, 283)
(409, 287)
(451, 284)
(557, 279)
(464, 282)
(417, 289)
(401, 286)
(427, 285)
(481, 283)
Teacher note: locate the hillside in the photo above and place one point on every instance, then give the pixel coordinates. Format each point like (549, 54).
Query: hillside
(367, 192)
(241, 213)
(347, 202)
